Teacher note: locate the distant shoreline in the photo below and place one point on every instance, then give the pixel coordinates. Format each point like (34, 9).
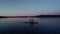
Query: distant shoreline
(43, 16)
(39, 16)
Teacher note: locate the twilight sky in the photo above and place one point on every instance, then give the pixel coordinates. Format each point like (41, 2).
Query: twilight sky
(28, 7)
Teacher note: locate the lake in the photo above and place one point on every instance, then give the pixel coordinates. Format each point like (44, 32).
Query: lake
(18, 26)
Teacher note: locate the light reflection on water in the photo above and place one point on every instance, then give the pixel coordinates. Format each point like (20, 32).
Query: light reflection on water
(18, 25)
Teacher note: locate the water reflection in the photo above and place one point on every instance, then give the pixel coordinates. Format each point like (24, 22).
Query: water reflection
(30, 25)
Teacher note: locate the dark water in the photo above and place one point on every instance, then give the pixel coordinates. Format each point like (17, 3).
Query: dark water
(18, 26)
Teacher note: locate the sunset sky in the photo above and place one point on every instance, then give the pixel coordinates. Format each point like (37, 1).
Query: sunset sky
(28, 7)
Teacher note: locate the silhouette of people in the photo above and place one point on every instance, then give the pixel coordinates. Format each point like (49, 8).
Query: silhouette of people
(31, 22)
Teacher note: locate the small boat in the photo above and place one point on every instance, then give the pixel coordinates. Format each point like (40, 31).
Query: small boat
(31, 21)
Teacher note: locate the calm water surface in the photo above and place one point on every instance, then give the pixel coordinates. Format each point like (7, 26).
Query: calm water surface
(18, 25)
